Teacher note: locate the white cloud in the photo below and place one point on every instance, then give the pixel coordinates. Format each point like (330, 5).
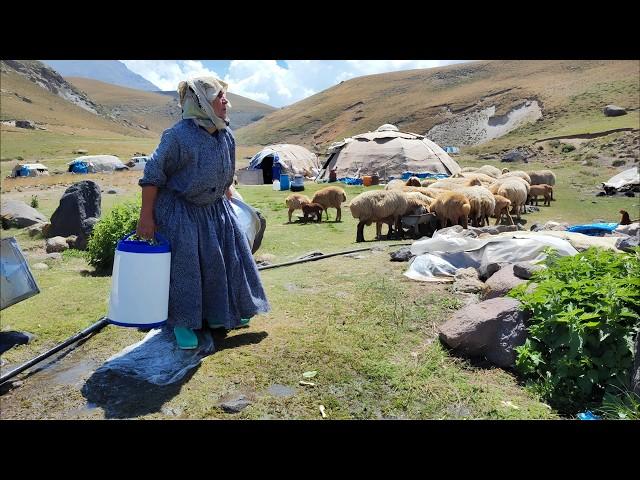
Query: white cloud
(266, 81)
(166, 74)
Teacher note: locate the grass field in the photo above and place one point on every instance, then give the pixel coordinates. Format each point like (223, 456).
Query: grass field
(368, 331)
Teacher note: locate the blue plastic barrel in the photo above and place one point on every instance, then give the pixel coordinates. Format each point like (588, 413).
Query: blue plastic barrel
(275, 171)
(284, 181)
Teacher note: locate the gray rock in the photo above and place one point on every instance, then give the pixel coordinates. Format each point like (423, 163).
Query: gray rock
(525, 269)
(459, 231)
(486, 270)
(632, 229)
(77, 213)
(627, 243)
(501, 282)
(40, 266)
(513, 156)
(17, 214)
(36, 229)
(402, 255)
(494, 229)
(71, 241)
(11, 338)
(492, 329)
(28, 124)
(56, 244)
(614, 111)
(55, 256)
(235, 405)
(467, 281)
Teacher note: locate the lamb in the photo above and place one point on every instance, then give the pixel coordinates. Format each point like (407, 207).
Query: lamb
(517, 173)
(331, 197)
(377, 206)
(395, 184)
(451, 207)
(311, 210)
(482, 204)
(514, 190)
(295, 202)
(540, 177)
(483, 177)
(545, 190)
(413, 182)
(502, 208)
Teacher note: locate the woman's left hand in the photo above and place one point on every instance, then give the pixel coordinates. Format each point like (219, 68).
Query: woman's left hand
(229, 193)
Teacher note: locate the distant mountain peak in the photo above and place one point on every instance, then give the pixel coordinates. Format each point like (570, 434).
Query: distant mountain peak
(109, 71)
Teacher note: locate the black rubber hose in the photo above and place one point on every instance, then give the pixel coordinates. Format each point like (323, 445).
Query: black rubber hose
(87, 331)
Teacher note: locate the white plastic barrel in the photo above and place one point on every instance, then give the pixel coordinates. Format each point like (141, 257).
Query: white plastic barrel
(140, 283)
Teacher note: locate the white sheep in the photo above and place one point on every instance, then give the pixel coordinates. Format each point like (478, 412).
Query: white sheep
(517, 173)
(331, 197)
(377, 206)
(295, 202)
(395, 184)
(540, 177)
(482, 204)
(514, 190)
(490, 170)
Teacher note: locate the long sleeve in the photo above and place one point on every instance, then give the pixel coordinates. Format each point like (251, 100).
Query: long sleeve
(163, 162)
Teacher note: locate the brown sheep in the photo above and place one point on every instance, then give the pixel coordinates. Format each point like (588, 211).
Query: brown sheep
(451, 207)
(413, 182)
(311, 210)
(331, 197)
(295, 202)
(545, 190)
(377, 206)
(502, 207)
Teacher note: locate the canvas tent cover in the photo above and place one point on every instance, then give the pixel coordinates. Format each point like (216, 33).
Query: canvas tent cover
(628, 178)
(100, 163)
(29, 170)
(293, 159)
(387, 152)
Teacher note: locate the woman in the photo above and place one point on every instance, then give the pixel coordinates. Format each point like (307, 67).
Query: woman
(185, 197)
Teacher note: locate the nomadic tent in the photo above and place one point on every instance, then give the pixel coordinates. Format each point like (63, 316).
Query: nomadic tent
(285, 158)
(96, 164)
(387, 152)
(29, 170)
(627, 180)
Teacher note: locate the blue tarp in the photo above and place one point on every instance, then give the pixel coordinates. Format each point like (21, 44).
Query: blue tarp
(350, 180)
(79, 167)
(593, 229)
(451, 149)
(256, 161)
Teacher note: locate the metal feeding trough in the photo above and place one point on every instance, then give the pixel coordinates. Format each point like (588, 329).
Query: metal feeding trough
(418, 224)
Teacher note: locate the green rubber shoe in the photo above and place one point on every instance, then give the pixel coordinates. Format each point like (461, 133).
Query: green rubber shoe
(186, 338)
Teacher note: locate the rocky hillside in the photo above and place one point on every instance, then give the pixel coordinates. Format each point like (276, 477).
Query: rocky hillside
(479, 104)
(108, 71)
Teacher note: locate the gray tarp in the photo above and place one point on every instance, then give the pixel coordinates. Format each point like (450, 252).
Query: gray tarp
(627, 178)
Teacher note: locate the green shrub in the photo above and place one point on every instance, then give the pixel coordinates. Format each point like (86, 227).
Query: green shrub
(34, 201)
(585, 312)
(566, 148)
(101, 247)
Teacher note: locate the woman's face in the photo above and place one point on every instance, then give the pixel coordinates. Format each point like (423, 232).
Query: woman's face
(219, 105)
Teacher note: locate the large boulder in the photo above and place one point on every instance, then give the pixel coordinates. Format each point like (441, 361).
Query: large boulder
(613, 111)
(17, 214)
(501, 282)
(513, 156)
(492, 329)
(77, 213)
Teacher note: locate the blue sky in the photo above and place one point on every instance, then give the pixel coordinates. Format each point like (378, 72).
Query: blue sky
(275, 82)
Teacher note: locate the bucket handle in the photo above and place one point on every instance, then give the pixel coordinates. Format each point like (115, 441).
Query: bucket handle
(157, 235)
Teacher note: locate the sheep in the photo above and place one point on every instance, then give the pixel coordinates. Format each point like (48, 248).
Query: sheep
(428, 181)
(545, 190)
(500, 181)
(448, 183)
(490, 170)
(331, 197)
(502, 208)
(417, 204)
(413, 182)
(377, 206)
(451, 207)
(311, 210)
(514, 190)
(426, 191)
(481, 201)
(468, 169)
(483, 177)
(517, 173)
(540, 177)
(295, 202)
(394, 184)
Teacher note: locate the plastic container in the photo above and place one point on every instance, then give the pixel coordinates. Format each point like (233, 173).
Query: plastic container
(297, 185)
(284, 182)
(275, 170)
(140, 283)
(276, 185)
(367, 180)
(375, 180)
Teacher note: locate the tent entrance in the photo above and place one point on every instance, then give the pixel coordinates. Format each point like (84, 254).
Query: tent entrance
(267, 169)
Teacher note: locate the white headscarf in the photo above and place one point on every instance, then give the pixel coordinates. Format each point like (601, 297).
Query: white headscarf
(196, 95)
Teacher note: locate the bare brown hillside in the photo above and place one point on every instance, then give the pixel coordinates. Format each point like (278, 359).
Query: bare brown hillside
(570, 96)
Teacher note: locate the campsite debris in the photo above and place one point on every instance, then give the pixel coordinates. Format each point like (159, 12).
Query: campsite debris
(588, 415)
(306, 384)
(310, 374)
(509, 404)
(324, 415)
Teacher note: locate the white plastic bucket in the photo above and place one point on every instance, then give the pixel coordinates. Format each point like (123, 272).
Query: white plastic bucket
(140, 283)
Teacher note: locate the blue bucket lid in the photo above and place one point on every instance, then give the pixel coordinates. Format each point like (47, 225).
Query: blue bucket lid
(142, 246)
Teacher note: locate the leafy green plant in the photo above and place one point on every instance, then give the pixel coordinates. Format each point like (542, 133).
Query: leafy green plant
(34, 201)
(584, 320)
(566, 148)
(622, 406)
(123, 219)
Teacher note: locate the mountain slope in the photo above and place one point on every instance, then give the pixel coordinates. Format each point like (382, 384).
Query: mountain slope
(109, 71)
(570, 96)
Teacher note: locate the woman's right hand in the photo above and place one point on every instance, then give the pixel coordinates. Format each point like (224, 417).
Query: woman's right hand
(146, 227)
